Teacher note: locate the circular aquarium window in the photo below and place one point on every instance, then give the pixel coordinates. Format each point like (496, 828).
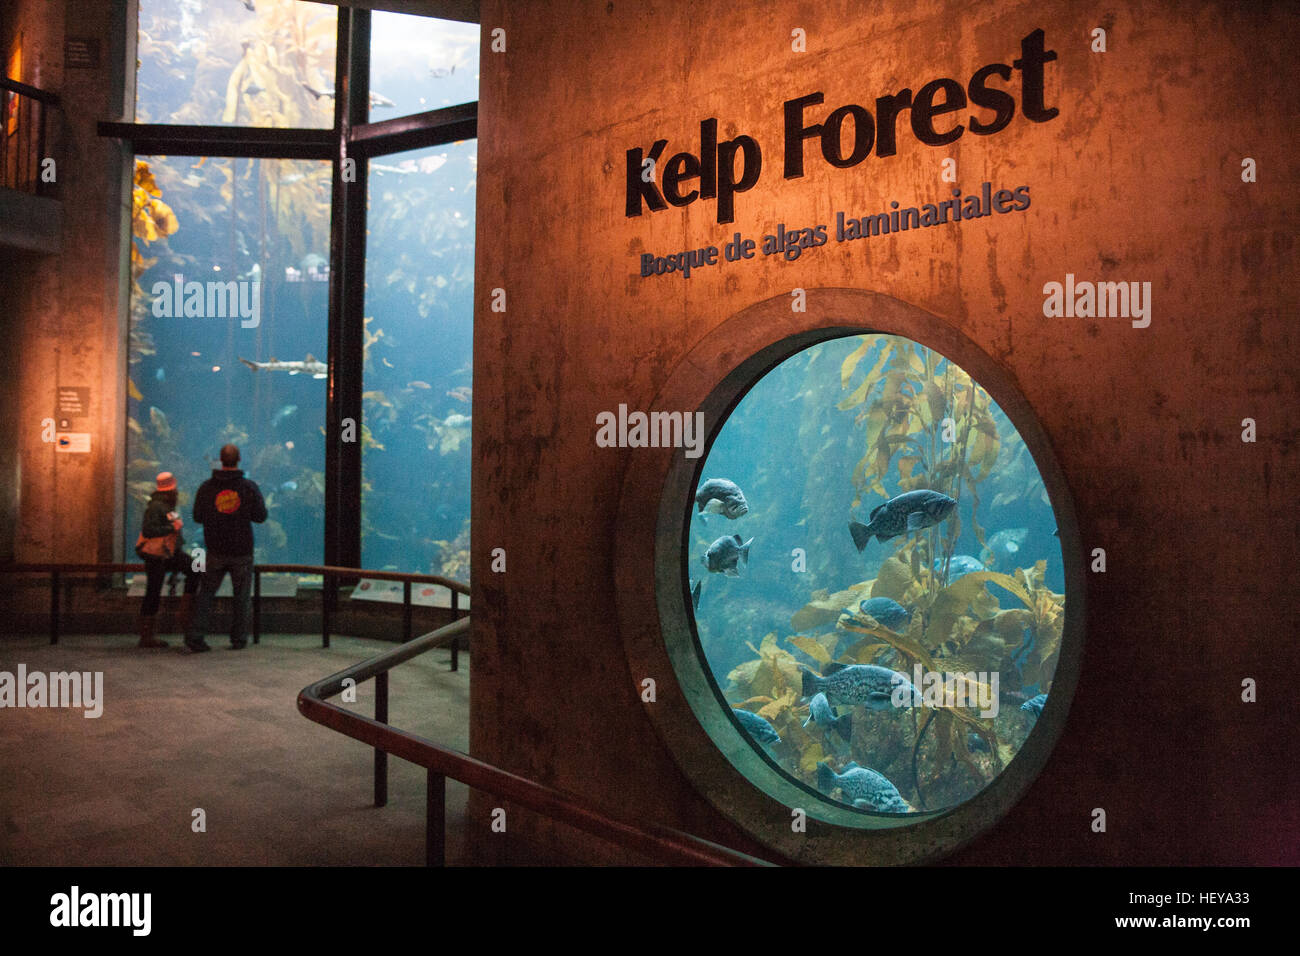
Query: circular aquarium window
(874, 584)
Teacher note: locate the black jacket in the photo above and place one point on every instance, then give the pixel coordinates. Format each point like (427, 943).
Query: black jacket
(224, 505)
(156, 524)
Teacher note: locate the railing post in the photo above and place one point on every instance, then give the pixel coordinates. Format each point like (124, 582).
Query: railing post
(325, 610)
(455, 644)
(435, 820)
(54, 606)
(406, 611)
(381, 756)
(257, 605)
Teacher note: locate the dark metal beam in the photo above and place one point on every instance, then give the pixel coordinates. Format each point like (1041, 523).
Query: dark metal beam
(466, 11)
(169, 140)
(418, 130)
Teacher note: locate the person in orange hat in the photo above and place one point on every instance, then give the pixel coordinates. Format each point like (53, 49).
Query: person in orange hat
(162, 549)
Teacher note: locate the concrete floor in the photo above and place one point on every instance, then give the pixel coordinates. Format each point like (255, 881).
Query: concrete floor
(221, 732)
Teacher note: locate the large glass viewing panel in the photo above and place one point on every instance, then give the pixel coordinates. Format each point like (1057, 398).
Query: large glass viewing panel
(419, 64)
(266, 63)
(418, 361)
(228, 328)
(877, 584)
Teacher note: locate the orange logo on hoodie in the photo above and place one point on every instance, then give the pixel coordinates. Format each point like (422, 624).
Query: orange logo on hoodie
(227, 502)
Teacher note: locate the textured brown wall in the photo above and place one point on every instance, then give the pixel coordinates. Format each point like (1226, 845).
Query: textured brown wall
(65, 313)
(1137, 179)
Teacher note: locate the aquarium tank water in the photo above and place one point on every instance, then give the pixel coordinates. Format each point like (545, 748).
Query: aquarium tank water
(252, 371)
(876, 582)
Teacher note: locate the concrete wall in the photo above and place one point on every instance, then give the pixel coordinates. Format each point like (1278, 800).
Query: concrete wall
(1138, 178)
(64, 315)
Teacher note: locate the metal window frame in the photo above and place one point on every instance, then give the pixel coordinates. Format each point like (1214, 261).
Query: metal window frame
(352, 137)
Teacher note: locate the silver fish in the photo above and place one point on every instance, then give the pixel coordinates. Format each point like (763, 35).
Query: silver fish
(310, 365)
(822, 714)
(720, 496)
(756, 726)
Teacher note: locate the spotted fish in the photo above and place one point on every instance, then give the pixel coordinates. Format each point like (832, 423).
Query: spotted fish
(868, 685)
(865, 789)
(756, 726)
(911, 511)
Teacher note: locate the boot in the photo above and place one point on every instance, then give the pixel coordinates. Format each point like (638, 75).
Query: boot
(185, 614)
(147, 625)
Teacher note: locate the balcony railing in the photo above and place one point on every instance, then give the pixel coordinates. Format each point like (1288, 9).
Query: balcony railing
(24, 136)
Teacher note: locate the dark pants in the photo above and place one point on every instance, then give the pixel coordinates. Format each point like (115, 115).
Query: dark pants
(240, 567)
(156, 569)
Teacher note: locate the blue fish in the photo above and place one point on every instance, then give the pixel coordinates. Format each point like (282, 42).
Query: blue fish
(821, 713)
(888, 612)
(726, 553)
(160, 375)
(282, 414)
(756, 726)
(865, 789)
(958, 565)
(911, 511)
(1034, 705)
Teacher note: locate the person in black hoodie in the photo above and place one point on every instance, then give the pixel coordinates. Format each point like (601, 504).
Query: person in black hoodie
(162, 522)
(226, 505)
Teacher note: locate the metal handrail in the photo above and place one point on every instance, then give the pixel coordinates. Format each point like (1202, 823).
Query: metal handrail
(440, 762)
(25, 151)
(329, 573)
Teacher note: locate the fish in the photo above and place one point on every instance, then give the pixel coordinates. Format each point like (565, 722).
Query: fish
(431, 164)
(132, 424)
(910, 511)
(249, 6)
(695, 594)
(720, 496)
(958, 565)
(868, 685)
(159, 421)
(252, 89)
(975, 742)
(865, 789)
(310, 365)
(377, 397)
(289, 485)
(418, 384)
(379, 99)
(888, 612)
(160, 375)
(395, 170)
(1004, 545)
(822, 714)
(725, 554)
(133, 391)
(282, 414)
(1034, 705)
(462, 394)
(442, 72)
(317, 93)
(756, 726)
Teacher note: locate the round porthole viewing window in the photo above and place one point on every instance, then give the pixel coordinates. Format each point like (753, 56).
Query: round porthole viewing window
(874, 581)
